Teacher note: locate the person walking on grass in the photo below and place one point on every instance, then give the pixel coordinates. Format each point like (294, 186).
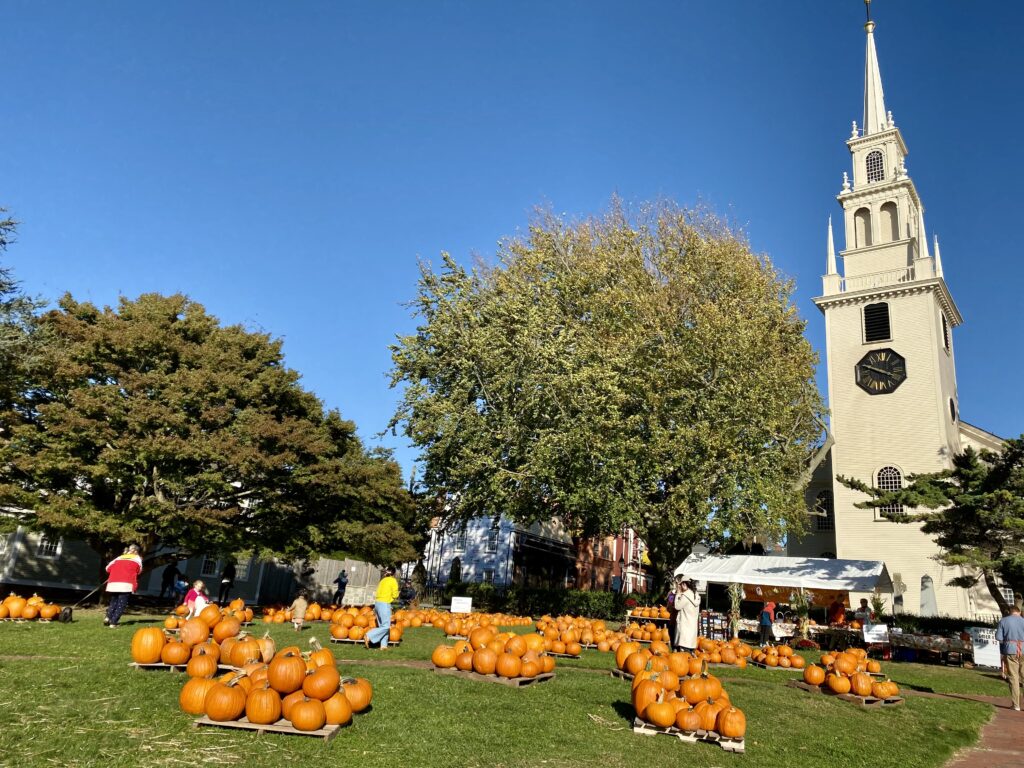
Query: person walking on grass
(124, 573)
(1010, 636)
(387, 593)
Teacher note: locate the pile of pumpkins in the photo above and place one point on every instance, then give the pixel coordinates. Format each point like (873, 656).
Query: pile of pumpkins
(631, 657)
(235, 609)
(504, 654)
(647, 632)
(463, 624)
(203, 643)
(305, 690)
(649, 612)
(576, 629)
(779, 656)
(731, 652)
(35, 607)
(850, 672)
(669, 691)
(354, 623)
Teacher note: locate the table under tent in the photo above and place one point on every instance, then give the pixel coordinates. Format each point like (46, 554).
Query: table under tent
(780, 579)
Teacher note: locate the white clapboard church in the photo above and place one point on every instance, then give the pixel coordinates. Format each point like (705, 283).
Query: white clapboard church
(889, 325)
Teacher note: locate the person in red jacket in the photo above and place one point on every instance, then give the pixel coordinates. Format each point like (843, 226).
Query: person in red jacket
(123, 581)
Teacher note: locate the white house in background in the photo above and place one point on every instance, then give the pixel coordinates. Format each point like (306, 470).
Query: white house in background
(889, 321)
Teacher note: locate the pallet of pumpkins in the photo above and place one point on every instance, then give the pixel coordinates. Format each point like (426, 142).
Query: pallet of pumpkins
(202, 645)
(235, 609)
(691, 708)
(778, 657)
(354, 623)
(514, 658)
(659, 612)
(294, 693)
(462, 625)
(588, 633)
(647, 632)
(851, 676)
(17, 608)
(632, 657)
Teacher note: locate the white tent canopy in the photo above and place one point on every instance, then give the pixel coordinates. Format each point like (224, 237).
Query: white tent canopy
(796, 572)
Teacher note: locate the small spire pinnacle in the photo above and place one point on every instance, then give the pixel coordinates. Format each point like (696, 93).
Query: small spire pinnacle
(938, 257)
(922, 240)
(830, 264)
(875, 116)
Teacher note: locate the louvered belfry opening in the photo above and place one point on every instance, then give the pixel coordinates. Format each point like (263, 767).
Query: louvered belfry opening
(876, 322)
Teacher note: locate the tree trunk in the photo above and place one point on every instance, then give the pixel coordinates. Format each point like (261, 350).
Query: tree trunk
(995, 591)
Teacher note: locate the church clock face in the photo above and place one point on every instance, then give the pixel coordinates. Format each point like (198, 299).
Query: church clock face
(881, 371)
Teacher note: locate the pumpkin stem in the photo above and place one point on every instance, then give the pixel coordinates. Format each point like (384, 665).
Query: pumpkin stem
(313, 642)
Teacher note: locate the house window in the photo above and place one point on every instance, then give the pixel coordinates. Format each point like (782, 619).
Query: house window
(488, 576)
(461, 539)
(209, 567)
(492, 536)
(242, 568)
(876, 323)
(1007, 594)
(945, 333)
(875, 166)
(889, 479)
(48, 548)
(952, 409)
(826, 514)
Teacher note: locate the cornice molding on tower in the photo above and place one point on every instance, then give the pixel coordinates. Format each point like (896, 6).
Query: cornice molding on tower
(936, 285)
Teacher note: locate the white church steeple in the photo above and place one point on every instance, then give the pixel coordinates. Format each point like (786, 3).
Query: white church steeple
(875, 117)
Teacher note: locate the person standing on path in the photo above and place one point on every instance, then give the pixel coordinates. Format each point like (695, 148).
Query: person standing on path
(687, 604)
(339, 593)
(387, 593)
(766, 622)
(1010, 636)
(168, 580)
(227, 581)
(123, 581)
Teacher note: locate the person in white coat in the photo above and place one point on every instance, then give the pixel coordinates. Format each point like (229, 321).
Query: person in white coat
(687, 605)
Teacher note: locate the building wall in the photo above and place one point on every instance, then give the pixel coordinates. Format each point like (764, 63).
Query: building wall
(30, 559)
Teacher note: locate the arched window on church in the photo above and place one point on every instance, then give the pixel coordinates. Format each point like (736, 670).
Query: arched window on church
(888, 479)
(875, 166)
(890, 222)
(862, 227)
(825, 508)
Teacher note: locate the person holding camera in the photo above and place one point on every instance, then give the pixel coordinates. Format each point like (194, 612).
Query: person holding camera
(686, 603)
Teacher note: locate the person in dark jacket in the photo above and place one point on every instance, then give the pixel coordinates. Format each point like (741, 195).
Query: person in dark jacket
(765, 622)
(227, 581)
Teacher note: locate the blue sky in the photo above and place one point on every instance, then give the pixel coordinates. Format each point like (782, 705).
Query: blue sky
(286, 164)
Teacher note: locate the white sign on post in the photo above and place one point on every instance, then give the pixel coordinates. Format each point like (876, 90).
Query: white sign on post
(986, 649)
(876, 633)
(462, 605)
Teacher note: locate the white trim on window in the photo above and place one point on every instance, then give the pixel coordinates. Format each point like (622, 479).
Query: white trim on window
(48, 549)
(206, 570)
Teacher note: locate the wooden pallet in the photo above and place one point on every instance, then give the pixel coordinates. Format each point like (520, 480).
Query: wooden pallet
(326, 733)
(867, 702)
(621, 674)
(455, 637)
(360, 642)
(560, 655)
(871, 702)
(221, 668)
(512, 682)
(691, 737)
(762, 665)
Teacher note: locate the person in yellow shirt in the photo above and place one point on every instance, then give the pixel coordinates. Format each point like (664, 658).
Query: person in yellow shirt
(387, 593)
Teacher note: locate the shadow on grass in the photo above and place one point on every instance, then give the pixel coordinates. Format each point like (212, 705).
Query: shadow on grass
(624, 709)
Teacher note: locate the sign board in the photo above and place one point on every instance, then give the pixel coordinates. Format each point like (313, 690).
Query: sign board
(986, 649)
(876, 633)
(462, 605)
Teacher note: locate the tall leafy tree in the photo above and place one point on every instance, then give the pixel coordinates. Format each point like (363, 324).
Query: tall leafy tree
(18, 340)
(152, 422)
(647, 371)
(975, 512)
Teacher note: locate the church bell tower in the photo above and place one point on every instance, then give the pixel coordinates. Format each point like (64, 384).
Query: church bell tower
(889, 320)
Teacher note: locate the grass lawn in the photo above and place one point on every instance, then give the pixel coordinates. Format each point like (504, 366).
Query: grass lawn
(68, 697)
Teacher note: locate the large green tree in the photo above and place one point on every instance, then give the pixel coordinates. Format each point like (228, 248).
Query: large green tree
(643, 370)
(18, 339)
(152, 422)
(975, 512)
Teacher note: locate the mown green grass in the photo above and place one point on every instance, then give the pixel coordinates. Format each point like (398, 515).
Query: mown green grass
(68, 697)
